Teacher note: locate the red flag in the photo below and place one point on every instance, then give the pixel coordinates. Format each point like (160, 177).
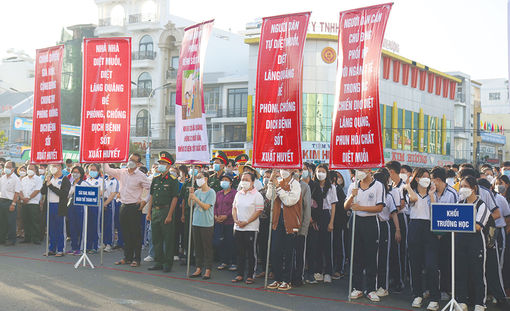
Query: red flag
(106, 110)
(46, 133)
(356, 132)
(277, 133)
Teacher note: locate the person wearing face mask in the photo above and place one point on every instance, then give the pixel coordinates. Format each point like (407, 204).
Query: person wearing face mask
(56, 188)
(240, 161)
(95, 180)
(470, 252)
(286, 223)
(340, 228)
(423, 244)
(132, 184)
(366, 198)
(110, 193)
(247, 206)
(30, 197)
(263, 235)
(224, 223)
(21, 172)
(75, 212)
(502, 186)
(186, 208)
(499, 190)
(202, 202)
(10, 188)
(450, 178)
(220, 160)
(250, 169)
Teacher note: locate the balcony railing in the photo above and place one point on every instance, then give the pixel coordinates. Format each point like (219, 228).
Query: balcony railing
(139, 18)
(104, 22)
(171, 74)
(143, 55)
(140, 92)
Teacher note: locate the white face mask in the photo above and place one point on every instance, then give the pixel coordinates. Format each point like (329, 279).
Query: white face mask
(7, 171)
(490, 178)
(321, 176)
(284, 173)
(131, 164)
(30, 173)
(22, 174)
(245, 185)
(500, 189)
(424, 182)
(200, 182)
(403, 176)
(41, 171)
(360, 175)
(53, 170)
(265, 181)
(450, 181)
(465, 193)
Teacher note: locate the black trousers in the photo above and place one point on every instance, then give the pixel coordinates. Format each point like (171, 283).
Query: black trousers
(366, 235)
(282, 252)
(383, 257)
(322, 246)
(298, 272)
(493, 273)
(246, 255)
(31, 215)
(424, 253)
(131, 230)
(339, 250)
(202, 238)
(469, 267)
(398, 253)
(262, 238)
(445, 263)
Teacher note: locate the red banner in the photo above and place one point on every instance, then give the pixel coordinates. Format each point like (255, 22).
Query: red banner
(356, 140)
(106, 108)
(46, 133)
(192, 144)
(277, 133)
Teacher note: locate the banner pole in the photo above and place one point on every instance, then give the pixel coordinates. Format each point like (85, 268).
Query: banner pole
(102, 214)
(269, 236)
(352, 243)
(47, 221)
(190, 222)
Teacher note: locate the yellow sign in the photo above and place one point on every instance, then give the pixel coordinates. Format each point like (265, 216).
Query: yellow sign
(328, 55)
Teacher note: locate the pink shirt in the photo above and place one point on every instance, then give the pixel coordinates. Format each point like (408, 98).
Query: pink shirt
(131, 184)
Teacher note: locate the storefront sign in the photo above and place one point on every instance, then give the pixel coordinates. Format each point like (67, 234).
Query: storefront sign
(192, 144)
(328, 55)
(493, 138)
(277, 133)
(356, 132)
(46, 132)
(106, 110)
(24, 124)
(417, 159)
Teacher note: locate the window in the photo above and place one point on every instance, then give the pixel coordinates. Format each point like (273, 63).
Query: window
(237, 103)
(432, 137)
(448, 136)
(144, 84)
(416, 120)
(235, 133)
(400, 137)
(175, 62)
(142, 123)
(171, 107)
(495, 96)
(425, 133)
(387, 138)
(407, 131)
(459, 115)
(171, 137)
(146, 47)
(211, 100)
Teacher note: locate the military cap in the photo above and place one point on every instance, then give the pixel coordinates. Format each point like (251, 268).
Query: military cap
(165, 157)
(242, 158)
(220, 155)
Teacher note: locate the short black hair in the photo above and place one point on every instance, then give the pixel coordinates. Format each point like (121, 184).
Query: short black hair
(252, 176)
(439, 172)
(69, 161)
(468, 172)
(407, 168)
(455, 166)
(138, 156)
(3, 160)
(394, 166)
(450, 174)
(143, 169)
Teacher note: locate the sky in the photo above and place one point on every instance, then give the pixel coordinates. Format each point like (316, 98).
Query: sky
(447, 35)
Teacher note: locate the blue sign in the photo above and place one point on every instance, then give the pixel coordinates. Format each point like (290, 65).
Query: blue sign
(493, 138)
(453, 217)
(86, 195)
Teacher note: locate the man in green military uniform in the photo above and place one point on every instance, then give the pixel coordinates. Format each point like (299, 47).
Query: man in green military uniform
(240, 161)
(220, 160)
(164, 194)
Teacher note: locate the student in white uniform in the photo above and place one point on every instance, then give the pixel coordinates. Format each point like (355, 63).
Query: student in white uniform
(10, 187)
(75, 212)
(423, 244)
(30, 197)
(111, 191)
(367, 199)
(501, 186)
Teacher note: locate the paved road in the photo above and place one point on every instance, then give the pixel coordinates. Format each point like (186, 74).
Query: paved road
(29, 281)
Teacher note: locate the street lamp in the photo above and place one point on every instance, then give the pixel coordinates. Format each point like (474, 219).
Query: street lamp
(148, 149)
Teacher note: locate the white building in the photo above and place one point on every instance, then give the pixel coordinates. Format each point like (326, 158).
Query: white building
(495, 97)
(17, 72)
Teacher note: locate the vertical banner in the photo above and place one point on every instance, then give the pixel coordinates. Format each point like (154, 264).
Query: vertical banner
(356, 140)
(277, 133)
(106, 106)
(46, 133)
(192, 145)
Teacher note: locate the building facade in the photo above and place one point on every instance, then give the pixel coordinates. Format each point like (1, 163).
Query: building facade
(495, 97)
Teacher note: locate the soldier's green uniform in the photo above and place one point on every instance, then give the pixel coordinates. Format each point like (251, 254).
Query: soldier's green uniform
(214, 182)
(214, 179)
(164, 189)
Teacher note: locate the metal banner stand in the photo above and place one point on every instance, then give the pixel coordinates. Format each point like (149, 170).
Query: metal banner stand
(352, 242)
(190, 222)
(102, 214)
(453, 305)
(47, 222)
(273, 197)
(84, 258)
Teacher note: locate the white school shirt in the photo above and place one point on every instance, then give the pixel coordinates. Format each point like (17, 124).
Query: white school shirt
(331, 198)
(389, 208)
(111, 186)
(72, 190)
(57, 183)
(372, 196)
(398, 195)
(482, 213)
(487, 198)
(29, 185)
(246, 203)
(503, 209)
(421, 208)
(449, 195)
(9, 186)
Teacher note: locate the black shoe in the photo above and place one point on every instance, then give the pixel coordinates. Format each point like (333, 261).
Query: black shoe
(153, 268)
(9, 243)
(167, 269)
(37, 243)
(24, 242)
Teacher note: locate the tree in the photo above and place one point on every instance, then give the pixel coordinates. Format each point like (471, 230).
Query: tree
(3, 139)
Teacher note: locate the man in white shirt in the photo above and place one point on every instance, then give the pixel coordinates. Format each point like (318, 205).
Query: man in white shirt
(9, 193)
(30, 196)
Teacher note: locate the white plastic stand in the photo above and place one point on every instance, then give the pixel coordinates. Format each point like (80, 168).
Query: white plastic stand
(452, 305)
(84, 258)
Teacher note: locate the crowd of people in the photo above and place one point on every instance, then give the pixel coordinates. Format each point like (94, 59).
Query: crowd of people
(229, 205)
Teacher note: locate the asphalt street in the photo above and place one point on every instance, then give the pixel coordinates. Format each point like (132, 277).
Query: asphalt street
(29, 281)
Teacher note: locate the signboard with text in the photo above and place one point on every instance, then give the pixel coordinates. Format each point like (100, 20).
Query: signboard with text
(86, 195)
(46, 132)
(356, 140)
(452, 217)
(277, 133)
(106, 104)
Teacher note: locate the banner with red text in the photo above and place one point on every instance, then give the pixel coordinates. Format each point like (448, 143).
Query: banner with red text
(106, 107)
(356, 140)
(46, 133)
(192, 144)
(277, 133)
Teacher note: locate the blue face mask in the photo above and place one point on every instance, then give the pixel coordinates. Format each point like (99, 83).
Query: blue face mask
(507, 173)
(161, 168)
(93, 174)
(216, 167)
(225, 184)
(305, 174)
(193, 172)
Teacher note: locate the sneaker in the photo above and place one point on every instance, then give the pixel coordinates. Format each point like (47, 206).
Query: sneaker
(232, 268)
(59, 254)
(148, 259)
(176, 258)
(284, 286)
(318, 277)
(373, 297)
(417, 302)
(327, 278)
(381, 292)
(479, 308)
(463, 307)
(445, 296)
(70, 252)
(337, 276)
(355, 294)
(274, 285)
(49, 253)
(108, 248)
(433, 306)
(77, 253)
(311, 280)
(222, 266)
